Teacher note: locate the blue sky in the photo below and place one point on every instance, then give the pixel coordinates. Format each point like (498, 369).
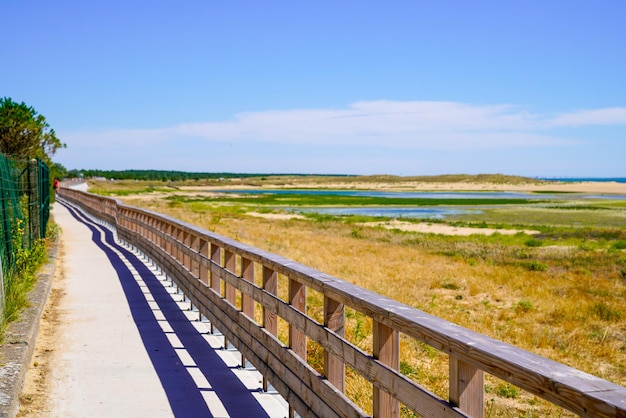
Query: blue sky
(533, 88)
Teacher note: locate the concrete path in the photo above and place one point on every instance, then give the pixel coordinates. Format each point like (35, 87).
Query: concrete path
(130, 346)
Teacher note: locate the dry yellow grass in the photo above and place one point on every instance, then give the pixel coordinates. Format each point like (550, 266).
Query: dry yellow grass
(576, 316)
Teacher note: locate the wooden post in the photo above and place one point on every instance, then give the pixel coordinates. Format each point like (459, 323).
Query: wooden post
(247, 302)
(180, 254)
(144, 227)
(203, 250)
(133, 222)
(216, 257)
(174, 236)
(229, 264)
(467, 388)
(194, 245)
(150, 229)
(175, 249)
(160, 229)
(297, 339)
(186, 256)
(270, 284)
(270, 321)
(140, 227)
(247, 272)
(297, 299)
(386, 348)
(229, 290)
(168, 236)
(145, 221)
(334, 369)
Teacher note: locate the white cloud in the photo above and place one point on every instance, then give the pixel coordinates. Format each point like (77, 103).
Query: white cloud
(423, 125)
(360, 131)
(608, 116)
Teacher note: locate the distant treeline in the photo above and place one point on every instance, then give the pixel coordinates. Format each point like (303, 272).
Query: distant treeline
(167, 175)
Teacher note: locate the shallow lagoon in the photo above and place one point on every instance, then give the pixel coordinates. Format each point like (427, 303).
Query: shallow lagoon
(405, 195)
(390, 212)
(416, 212)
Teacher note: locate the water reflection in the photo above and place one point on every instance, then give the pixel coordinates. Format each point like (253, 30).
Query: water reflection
(435, 212)
(387, 194)
(411, 212)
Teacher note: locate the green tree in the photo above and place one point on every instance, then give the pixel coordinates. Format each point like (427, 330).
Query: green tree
(24, 133)
(58, 170)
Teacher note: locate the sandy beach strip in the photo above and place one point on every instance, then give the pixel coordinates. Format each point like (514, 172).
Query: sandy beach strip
(597, 187)
(443, 229)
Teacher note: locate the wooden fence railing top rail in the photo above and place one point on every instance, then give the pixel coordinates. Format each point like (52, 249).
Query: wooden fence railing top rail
(218, 276)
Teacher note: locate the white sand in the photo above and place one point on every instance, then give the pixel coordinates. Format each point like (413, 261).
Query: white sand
(443, 229)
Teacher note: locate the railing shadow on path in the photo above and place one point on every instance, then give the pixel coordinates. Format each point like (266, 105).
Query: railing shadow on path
(184, 394)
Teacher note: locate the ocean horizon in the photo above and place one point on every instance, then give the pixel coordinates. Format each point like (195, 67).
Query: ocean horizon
(582, 179)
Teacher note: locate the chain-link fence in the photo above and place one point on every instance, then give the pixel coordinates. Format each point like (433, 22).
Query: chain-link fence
(38, 190)
(24, 210)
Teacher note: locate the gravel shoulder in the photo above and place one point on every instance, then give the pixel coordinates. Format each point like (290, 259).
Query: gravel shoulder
(18, 347)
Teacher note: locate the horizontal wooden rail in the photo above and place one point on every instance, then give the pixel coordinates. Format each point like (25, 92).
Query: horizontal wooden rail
(218, 275)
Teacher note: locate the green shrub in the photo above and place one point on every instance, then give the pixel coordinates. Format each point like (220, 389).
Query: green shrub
(507, 391)
(533, 242)
(605, 312)
(619, 245)
(534, 266)
(357, 233)
(450, 285)
(20, 280)
(408, 370)
(524, 305)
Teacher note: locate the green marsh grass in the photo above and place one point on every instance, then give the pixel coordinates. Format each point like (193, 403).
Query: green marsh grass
(22, 277)
(299, 200)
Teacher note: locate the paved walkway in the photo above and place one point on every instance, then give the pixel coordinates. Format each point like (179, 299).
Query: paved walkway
(131, 345)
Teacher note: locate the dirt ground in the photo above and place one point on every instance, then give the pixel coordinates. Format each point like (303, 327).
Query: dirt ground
(33, 401)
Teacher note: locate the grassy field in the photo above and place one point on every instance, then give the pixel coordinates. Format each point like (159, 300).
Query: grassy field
(560, 293)
(298, 200)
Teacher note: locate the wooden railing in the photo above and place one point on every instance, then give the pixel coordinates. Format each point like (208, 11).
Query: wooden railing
(227, 280)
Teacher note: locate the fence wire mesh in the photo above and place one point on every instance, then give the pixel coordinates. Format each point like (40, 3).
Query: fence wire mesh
(24, 210)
